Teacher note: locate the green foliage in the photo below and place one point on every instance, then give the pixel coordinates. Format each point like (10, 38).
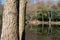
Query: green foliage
(55, 16)
(39, 16)
(44, 13)
(58, 3)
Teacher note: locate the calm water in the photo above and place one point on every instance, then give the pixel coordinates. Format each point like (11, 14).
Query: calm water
(43, 33)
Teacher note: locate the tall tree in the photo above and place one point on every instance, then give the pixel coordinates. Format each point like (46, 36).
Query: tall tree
(1, 7)
(21, 17)
(9, 26)
(50, 17)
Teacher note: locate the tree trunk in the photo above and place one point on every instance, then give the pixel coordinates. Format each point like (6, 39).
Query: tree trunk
(9, 26)
(42, 23)
(49, 30)
(21, 18)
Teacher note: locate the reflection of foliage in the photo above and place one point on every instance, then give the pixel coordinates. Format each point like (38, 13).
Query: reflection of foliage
(55, 30)
(39, 29)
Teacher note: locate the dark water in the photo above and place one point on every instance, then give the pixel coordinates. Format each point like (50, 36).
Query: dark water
(42, 33)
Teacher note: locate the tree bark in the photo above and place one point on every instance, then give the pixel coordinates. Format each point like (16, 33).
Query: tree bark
(9, 26)
(42, 23)
(21, 17)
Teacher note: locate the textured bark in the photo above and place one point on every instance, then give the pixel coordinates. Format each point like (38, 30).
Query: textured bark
(9, 26)
(21, 18)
